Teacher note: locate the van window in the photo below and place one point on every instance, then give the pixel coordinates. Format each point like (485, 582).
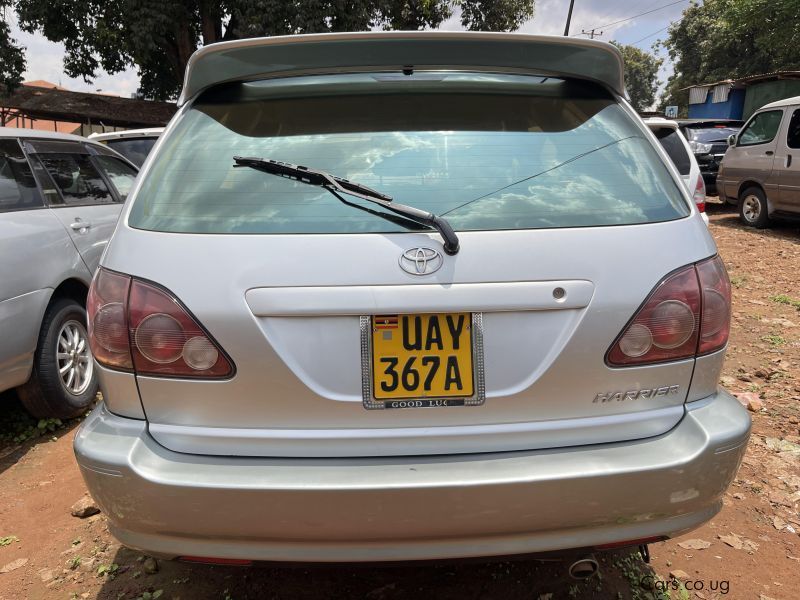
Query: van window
(672, 143)
(793, 135)
(761, 129)
(18, 189)
(488, 152)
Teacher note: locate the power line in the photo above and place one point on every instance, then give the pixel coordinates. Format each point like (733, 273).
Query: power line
(648, 7)
(641, 14)
(649, 36)
(760, 10)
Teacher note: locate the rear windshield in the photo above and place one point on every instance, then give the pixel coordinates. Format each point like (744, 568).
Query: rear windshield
(673, 144)
(135, 150)
(712, 134)
(488, 152)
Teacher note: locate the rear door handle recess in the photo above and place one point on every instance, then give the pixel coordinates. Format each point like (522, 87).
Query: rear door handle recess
(769, 153)
(78, 225)
(788, 160)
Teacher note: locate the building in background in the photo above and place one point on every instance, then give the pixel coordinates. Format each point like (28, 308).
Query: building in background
(718, 100)
(44, 105)
(740, 98)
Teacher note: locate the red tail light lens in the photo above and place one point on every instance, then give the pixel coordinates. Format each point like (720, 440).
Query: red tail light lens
(166, 340)
(716, 287)
(137, 325)
(687, 314)
(666, 327)
(700, 195)
(106, 308)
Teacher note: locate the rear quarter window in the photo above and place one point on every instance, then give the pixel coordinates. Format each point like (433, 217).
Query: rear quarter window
(18, 190)
(489, 153)
(672, 143)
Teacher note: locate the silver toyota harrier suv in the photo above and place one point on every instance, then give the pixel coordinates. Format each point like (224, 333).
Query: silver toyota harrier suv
(398, 296)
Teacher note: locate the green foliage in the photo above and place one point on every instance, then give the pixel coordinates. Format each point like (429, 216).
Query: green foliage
(8, 539)
(788, 300)
(17, 426)
(641, 75)
(727, 39)
(12, 57)
(773, 339)
(158, 37)
(109, 571)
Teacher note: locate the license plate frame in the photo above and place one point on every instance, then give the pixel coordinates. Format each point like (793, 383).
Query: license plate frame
(369, 400)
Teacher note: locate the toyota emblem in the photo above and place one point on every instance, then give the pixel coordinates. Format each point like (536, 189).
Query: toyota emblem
(421, 261)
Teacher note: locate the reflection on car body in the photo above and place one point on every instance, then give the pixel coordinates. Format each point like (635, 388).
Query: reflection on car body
(376, 396)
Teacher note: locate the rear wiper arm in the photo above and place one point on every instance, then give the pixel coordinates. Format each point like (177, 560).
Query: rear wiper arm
(337, 186)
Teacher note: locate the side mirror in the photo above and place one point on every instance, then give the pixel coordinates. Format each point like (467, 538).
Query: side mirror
(732, 139)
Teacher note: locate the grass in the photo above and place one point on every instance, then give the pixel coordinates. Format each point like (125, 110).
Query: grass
(738, 281)
(774, 340)
(788, 300)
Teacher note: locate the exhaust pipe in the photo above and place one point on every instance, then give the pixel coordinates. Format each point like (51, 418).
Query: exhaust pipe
(584, 568)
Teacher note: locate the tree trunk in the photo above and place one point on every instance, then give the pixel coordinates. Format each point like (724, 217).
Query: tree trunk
(184, 43)
(210, 22)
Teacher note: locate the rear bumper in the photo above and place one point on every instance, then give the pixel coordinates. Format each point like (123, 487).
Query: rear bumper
(410, 508)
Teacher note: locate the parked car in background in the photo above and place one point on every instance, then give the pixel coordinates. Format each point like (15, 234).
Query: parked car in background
(708, 139)
(677, 147)
(761, 170)
(133, 144)
(483, 318)
(60, 197)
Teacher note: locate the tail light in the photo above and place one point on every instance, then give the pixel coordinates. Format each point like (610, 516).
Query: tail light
(136, 325)
(700, 195)
(687, 314)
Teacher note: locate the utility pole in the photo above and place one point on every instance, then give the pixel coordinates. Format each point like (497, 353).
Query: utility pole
(591, 33)
(569, 17)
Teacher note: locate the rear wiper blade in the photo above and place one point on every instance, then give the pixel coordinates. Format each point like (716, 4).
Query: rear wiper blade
(337, 185)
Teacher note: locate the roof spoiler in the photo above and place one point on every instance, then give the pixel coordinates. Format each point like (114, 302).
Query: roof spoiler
(286, 56)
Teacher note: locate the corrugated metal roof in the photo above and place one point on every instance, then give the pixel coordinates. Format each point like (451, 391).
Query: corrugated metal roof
(80, 107)
(768, 76)
(749, 80)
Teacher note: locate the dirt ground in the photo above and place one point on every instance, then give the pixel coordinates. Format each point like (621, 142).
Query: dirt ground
(750, 550)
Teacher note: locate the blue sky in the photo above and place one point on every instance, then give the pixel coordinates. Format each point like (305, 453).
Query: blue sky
(613, 17)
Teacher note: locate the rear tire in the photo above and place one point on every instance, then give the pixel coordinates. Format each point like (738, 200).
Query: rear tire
(753, 208)
(63, 383)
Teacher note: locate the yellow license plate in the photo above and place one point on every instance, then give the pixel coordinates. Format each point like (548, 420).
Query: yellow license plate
(422, 356)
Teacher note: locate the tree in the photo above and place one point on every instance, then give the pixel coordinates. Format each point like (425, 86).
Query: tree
(641, 75)
(159, 36)
(727, 39)
(12, 58)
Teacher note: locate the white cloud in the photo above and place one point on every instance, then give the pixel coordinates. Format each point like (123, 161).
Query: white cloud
(45, 60)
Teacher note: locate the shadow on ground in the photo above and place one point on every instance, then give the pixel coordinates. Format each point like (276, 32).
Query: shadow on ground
(19, 431)
(622, 575)
(727, 215)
